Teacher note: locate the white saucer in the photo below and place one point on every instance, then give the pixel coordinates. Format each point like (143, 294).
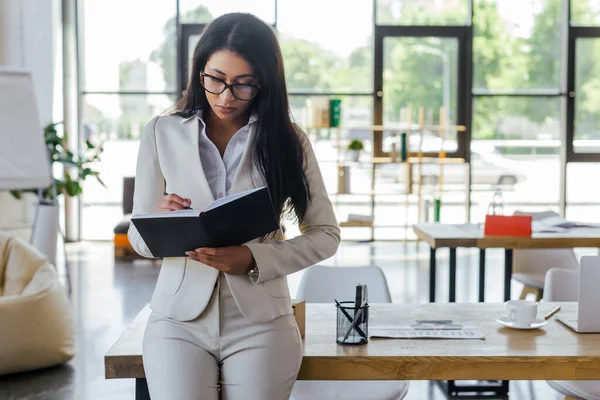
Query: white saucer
(538, 323)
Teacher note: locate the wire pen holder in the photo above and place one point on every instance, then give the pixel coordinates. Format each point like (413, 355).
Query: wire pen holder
(352, 323)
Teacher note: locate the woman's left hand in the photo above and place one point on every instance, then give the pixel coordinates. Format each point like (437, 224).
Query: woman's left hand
(233, 260)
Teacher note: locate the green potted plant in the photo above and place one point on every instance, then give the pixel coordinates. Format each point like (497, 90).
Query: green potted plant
(77, 167)
(355, 147)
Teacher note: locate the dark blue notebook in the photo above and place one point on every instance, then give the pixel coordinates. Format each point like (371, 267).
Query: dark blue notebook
(230, 221)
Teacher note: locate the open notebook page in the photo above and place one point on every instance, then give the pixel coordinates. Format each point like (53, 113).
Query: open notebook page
(195, 213)
(230, 198)
(170, 214)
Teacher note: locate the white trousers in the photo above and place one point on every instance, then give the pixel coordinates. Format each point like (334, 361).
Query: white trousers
(221, 354)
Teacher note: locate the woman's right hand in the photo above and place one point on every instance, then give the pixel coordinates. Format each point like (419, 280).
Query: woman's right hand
(172, 202)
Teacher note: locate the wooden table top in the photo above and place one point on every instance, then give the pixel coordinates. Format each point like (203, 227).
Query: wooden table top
(552, 352)
(471, 235)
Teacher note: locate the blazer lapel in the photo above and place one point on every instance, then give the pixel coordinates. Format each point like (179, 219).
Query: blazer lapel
(197, 184)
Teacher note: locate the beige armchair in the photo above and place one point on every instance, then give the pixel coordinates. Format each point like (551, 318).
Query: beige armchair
(35, 317)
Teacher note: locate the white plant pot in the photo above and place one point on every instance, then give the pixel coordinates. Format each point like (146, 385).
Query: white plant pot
(45, 231)
(354, 155)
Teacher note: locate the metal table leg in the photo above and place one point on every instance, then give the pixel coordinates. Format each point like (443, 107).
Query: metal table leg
(482, 390)
(432, 273)
(452, 280)
(508, 266)
(481, 275)
(141, 389)
(493, 389)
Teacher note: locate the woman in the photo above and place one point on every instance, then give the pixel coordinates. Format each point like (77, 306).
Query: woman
(222, 324)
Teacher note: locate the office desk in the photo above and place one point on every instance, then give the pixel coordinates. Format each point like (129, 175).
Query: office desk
(552, 352)
(470, 235)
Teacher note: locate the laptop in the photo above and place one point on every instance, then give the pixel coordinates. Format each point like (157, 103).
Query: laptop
(587, 319)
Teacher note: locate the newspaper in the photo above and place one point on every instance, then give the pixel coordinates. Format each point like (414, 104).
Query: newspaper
(428, 329)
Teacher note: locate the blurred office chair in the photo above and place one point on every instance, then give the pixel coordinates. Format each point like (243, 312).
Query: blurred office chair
(563, 285)
(122, 248)
(321, 284)
(530, 266)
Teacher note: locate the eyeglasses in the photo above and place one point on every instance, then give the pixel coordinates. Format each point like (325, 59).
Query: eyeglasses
(241, 91)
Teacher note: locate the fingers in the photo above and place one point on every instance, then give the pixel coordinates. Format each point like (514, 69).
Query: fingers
(209, 251)
(208, 256)
(234, 260)
(172, 202)
(178, 201)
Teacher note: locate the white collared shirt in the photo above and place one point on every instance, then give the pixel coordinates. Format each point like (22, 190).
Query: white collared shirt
(221, 171)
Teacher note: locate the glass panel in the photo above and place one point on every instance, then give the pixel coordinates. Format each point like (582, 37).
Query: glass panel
(516, 44)
(117, 121)
(420, 73)
(199, 12)
(120, 57)
(422, 12)
(330, 143)
(192, 42)
(356, 111)
(325, 54)
(582, 202)
(516, 151)
(587, 98)
(585, 12)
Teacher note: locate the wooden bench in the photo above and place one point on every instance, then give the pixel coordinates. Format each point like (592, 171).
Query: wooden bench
(553, 352)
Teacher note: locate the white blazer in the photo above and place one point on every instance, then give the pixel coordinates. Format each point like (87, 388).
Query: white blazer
(169, 161)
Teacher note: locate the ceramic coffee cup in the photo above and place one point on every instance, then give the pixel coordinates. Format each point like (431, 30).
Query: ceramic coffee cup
(522, 313)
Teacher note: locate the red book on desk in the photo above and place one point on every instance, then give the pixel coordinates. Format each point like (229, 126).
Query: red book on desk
(503, 225)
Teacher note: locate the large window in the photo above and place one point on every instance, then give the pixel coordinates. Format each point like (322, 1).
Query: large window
(326, 45)
(128, 77)
(501, 69)
(204, 11)
(516, 45)
(120, 57)
(517, 53)
(585, 13)
(587, 96)
(515, 149)
(423, 12)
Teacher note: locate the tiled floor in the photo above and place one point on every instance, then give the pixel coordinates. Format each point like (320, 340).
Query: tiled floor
(106, 296)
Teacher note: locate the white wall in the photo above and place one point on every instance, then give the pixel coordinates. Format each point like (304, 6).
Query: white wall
(30, 37)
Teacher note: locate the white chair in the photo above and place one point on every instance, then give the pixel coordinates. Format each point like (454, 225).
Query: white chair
(563, 285)
(321, 284)
(530, 266)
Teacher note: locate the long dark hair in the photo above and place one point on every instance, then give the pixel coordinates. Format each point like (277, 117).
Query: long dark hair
(276, 147)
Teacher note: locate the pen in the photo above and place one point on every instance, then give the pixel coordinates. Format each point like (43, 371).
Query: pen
(551, 313)
(186, 207)
(356, 319)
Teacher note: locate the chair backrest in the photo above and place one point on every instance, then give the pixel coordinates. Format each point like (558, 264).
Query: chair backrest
(322, 284)
(128, 186)
(540, 261)
(561, 285)
(538, 215)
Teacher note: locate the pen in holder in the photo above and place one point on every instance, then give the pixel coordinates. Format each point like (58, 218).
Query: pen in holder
(352, 323)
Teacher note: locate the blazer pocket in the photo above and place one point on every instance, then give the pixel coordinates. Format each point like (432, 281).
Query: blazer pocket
(277, 287)
(171, 275)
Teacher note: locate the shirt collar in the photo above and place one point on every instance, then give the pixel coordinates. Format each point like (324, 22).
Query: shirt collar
(253, 117)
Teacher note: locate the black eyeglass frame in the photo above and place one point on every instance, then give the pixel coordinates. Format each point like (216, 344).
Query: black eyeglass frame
(227, 86)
